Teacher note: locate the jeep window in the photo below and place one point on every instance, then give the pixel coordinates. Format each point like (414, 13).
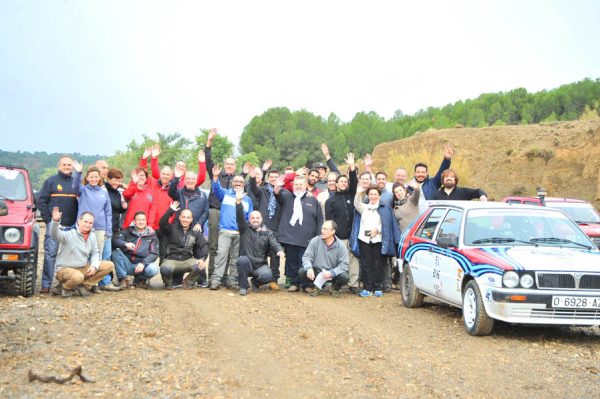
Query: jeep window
(428, 227)
(12, 185)
(450, 227)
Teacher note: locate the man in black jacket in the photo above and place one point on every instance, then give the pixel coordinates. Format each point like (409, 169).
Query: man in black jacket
(136, 253)
(340, 209)
(187, 249)
(57, 191)
(256, 242)
(451, 192)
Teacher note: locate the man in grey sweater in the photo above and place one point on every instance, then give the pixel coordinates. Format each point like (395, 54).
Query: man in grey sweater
(78, 264)
(325, 259)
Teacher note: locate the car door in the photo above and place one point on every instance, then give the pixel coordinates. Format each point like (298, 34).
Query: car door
(447, 273)
(423, 260)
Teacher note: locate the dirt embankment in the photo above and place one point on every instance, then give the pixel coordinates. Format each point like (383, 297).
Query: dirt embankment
(562, 157)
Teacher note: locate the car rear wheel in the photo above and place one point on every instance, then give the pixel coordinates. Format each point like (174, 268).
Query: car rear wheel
(411, 297)
(25, 280)
(475, 318)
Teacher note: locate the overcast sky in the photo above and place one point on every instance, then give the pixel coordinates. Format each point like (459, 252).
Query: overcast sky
(90, 76)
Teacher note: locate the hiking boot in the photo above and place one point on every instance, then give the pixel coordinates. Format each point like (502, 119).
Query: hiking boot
(365, 294)
(273, 286)
(355, 290)
(123, 284)
(214, 286)
(45, 290)
(336, 293)
(233, 287)
(186, 284)
(378, 294)
(81, 290)
(95, 290)
(112, 288)
(293, 288)
(288, 283)
(66, 293)
(315, 292)
(202, 284)
(243, 291)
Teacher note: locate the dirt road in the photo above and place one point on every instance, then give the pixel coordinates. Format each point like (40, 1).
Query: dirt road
(201, 343)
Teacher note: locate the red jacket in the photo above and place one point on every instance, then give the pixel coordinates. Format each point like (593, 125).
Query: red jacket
(140, 200)
(156, 171)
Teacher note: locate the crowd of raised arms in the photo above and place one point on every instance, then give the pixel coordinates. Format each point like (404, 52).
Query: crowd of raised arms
(333, 230)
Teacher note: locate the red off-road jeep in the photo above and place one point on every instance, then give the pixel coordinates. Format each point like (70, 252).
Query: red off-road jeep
(19, 231)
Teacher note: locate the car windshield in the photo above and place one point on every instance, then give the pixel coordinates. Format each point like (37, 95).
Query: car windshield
(580, 213)
(493, 227)
(12, 185)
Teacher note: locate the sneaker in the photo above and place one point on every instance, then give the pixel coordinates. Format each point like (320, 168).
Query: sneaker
(273, 286)
(233, 287)
(45, 290)
(314, 292)
(293, 288)
(81, 290)
(365, 294)
(243, 291)
(214, 286)
(336, 293)
(378, 294)
(66, 293)
(202, 284)
(308, 290)
(186, 284)
(111, 287)
(288, 283)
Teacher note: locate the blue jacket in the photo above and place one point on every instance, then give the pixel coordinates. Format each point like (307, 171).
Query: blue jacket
(196, 201)
(226, 197)
(390, 232)
(431, 185)
(58, 191)
(94, 199)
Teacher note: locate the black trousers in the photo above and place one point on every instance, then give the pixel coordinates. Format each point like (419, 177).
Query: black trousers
(260, 275)
(337, 282)
(372, 264)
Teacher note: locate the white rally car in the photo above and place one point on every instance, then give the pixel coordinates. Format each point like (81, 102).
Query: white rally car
(497, 261)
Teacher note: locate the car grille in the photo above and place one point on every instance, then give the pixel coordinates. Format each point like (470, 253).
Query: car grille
(568, 281)
(559, 314)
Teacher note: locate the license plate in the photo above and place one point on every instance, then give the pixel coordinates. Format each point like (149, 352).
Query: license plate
(576, 302)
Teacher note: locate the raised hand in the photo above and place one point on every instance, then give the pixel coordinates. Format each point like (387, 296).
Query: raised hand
(134, 177)
(155, 150)
(174, 206)
(239, 195)
(211, 134)
(201, 156)
(252, 171)
(350, 159)
(246, 168)
(368, 161)
(279, 181)
(56, 214)
(448, 151)
(77, 166)
(267, 165)
(325, 150)
(302, 171)
(147, 152)
(178, 172)
(360, 189)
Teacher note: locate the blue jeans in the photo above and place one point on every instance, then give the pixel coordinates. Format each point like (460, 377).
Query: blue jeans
(106, 255)
(124, 267)
(50, 250)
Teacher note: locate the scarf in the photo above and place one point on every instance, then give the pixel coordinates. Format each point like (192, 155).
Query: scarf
(401, 202)
(297, 216)
(272, 201)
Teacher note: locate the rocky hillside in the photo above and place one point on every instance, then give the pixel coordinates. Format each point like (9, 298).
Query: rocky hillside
(562, 157)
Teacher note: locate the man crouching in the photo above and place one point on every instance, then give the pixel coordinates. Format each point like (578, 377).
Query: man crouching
(78, 264)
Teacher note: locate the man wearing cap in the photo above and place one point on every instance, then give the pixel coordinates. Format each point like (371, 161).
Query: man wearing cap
(321, 183)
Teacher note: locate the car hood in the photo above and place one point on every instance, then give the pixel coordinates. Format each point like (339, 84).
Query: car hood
(538, 258)
(591, 229)
(17, 214)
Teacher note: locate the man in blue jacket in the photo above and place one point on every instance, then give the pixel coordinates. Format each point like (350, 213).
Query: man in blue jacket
(431, 185)
(57, 191)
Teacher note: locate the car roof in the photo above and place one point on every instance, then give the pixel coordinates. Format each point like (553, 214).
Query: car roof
(547, 199)
(466, 205)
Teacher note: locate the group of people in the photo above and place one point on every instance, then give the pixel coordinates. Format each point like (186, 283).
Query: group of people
(329, 228)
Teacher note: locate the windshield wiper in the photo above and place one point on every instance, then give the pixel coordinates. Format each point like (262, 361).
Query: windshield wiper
(556, 240)
(586, 222)
(499, 240)
(2, 197)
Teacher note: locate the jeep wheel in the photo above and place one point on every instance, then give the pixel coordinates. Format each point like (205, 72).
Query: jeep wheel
(411, 297)
(475, 318)
(25, 280)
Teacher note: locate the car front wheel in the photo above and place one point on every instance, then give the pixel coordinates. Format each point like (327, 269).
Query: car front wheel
(411, 297)
(475, 318)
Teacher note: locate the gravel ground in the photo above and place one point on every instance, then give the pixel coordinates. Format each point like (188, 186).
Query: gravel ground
(217, 344)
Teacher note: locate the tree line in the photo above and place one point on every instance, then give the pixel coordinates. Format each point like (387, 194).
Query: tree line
(294, 137)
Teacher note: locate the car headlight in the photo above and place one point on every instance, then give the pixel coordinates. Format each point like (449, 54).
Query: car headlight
(526, 281)
(12, 235)
(510, 279)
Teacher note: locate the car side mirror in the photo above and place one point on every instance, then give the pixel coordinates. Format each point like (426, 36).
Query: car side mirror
(3, 208)
(445, 241)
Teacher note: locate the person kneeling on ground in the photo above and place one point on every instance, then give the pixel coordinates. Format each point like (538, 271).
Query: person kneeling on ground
(187, 249)
(256, 242)
(136, 253)
(326, 255)
(78, 263)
